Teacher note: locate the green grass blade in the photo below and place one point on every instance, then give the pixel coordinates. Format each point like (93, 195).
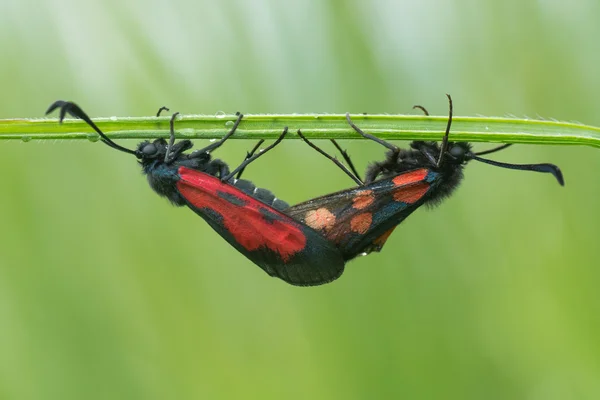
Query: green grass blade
(314, 126)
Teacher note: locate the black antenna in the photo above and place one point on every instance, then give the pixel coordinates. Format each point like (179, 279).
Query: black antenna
(444, 146)
(547, 168)
(171, 132)
(74, 110)
(495, 149)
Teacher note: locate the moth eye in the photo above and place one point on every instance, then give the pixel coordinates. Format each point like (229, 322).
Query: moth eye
(457, 151)
(149, 149)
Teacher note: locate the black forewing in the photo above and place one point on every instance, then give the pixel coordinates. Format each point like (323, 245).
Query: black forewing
(359, 220)
(280, 245)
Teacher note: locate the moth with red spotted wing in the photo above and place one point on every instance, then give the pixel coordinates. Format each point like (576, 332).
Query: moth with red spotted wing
(249, 218)
(360, 220)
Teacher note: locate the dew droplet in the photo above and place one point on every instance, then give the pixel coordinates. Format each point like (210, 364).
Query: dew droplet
(113, 118)
(92, 137)
(229, 123)
(220, 114)
(212, 140)
(363, 254)
(26, 138)
(487, 128)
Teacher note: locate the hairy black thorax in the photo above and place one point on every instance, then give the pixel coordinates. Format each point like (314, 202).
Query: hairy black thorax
(425, 155)
(162, 174)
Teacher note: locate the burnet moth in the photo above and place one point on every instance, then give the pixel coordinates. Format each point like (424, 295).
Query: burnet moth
(360, 220)
(249, 218)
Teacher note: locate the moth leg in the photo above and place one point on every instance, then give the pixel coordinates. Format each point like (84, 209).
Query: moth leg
(218, 168)
(352, 176)
(371, 137)
(346, 156)
(419, 145)
(248, 155)
(178, 148)
(163, 108)
(216, 145)
(247, 161)
(416, 106)
(391, 162)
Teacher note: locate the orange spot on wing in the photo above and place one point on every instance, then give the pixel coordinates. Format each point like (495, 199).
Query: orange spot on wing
(361, 223)
(363, 199)
(411, 194)
(319, 219)
(410, 177)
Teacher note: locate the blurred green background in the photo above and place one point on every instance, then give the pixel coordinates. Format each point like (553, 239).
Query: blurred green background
(108, 292)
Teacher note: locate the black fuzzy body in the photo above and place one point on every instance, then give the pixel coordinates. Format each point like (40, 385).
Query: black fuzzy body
(425, 155)
(162, 175)
(247, 217)
(318, 262)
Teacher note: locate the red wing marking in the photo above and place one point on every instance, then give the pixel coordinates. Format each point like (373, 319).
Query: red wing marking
(320, 219)
(361, 223)
(356, 230)
(252, 224)
(410, 177)
(411, 194)
(363, 199)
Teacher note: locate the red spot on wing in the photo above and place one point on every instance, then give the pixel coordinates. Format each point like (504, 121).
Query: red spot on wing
(410, 177)
(412, 193)
(361, 223)
(246, 223)
(363, 199)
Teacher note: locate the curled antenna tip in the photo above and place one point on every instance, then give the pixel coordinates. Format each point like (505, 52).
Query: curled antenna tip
(54, 106)
(557, 174)
(546, 168)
